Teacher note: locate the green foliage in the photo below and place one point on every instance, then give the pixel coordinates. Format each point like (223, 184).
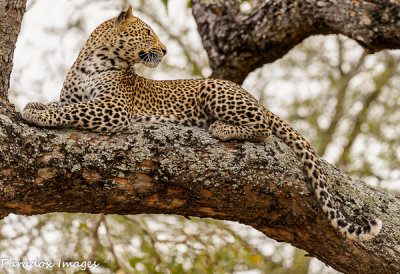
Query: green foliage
(165, 2)
(188, 4)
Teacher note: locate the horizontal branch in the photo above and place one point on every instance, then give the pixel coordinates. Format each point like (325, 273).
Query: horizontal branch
(169, 169)
(238, 43)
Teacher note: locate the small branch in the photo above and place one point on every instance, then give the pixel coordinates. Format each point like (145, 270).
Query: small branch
(153, 239)
(342, 89)
(243, 242)
(31, 4)
(362, 115)
(95, 237)
(110, 241)
(339, 41)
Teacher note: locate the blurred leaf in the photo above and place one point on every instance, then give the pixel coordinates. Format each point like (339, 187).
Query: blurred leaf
(210, 268)
(173, 260)
(177, 269)
(255, 259)
(83, 225)
(165, 2)
(151, 268)
(134, 261)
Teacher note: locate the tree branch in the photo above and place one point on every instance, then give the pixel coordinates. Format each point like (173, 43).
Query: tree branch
(238, 43)
(362, 114)
(341, 84)
(178, 170)
(11, 13)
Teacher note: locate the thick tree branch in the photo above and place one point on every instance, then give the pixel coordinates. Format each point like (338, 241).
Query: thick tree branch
(238, 43)
(176, 170)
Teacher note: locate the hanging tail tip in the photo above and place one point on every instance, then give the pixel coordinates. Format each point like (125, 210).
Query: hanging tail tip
(364, 233)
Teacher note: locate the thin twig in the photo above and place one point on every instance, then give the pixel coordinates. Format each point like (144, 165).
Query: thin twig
(153, 238)
(362, 114)
(340, 95)
(110, 242)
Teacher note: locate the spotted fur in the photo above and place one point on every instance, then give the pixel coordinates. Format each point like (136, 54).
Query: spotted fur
(102, 93)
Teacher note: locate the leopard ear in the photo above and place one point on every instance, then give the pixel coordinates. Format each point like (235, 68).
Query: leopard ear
(124, 16)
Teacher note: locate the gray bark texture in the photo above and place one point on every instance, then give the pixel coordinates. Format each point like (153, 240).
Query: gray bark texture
(168, 169)
(238, 43)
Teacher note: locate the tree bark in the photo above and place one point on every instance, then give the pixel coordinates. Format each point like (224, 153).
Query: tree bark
(170, 169)
(11, 13)
(179, 170)
(238, 43)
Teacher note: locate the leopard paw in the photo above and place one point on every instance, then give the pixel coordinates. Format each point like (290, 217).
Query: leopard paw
(35, 105)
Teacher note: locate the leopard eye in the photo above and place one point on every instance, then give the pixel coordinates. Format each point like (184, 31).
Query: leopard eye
(149, 33)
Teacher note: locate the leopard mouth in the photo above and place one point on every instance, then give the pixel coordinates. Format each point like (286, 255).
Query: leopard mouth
(151, 58)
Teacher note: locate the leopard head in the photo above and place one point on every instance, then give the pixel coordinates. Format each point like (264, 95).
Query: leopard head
(135, 41)
(122, 42)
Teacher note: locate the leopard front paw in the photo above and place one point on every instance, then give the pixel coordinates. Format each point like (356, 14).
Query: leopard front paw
(35, 105)
(28, 114)
(220, 131)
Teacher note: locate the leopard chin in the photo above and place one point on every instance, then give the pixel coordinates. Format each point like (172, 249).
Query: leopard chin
(150, 59)
(152, 64)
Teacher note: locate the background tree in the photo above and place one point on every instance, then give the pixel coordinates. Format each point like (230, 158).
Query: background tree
(350, 112)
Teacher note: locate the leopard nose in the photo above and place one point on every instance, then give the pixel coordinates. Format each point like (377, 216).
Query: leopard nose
(164, 51)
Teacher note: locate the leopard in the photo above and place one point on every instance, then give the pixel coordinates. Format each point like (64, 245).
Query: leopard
(103, 93)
